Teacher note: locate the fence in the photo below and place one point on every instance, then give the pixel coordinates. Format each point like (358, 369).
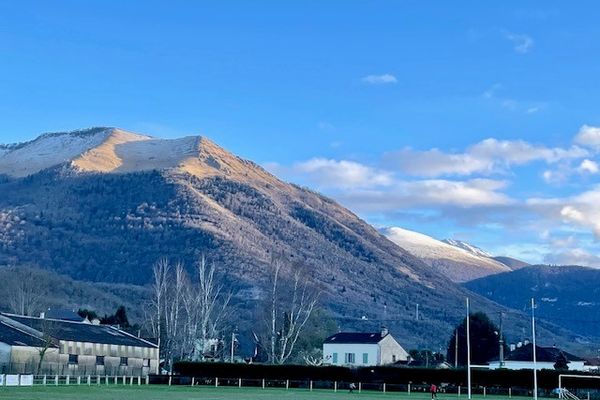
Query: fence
(62, 380)
(335, 386)
(54, 368)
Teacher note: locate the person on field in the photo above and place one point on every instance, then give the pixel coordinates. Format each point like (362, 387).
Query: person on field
(351, 387)
(433, 389)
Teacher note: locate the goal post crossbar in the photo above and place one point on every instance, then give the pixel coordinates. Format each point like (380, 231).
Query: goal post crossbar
(560, 382)
(561, 376)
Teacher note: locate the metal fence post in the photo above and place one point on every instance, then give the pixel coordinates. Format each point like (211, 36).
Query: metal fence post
(484, 391)
(409, 389)
(383, 387)
(510, 393)
(216, 382)
(310, 386)
(359, 387)
(459, 391)
(239, 382)
(287, 384)
(56, 380)
(68, 380)
(170, 379)
(335, 386)
(263, 383)
(44, 380)
(193, 381)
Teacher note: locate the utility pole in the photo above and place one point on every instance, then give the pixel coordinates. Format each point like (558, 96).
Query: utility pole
(456, 348)
(535, 384)
(501, 342)
(417, 313)
(469, 351)
(232, 344)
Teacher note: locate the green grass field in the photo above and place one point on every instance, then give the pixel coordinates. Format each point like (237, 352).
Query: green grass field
(156, 392)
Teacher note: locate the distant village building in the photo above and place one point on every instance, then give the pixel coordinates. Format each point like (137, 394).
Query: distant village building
(362, 349)
(521, 357)
(70, 347)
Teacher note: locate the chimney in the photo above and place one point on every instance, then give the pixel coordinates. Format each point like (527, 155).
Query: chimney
(384, 331)
(42, 315)
(525, 342)
(513, 347)
(519, 344)
(95, 321)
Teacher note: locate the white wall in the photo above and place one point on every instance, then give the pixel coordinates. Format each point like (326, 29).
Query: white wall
(573, 365)
(4, 355)
(391, 351)
(341, 349)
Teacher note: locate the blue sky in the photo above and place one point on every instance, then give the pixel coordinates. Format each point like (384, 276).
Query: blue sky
(349, 98)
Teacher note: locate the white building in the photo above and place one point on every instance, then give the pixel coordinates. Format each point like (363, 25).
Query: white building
(522, 358)
(362, 349)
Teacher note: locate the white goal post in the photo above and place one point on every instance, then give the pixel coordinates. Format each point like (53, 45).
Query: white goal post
(564, 393)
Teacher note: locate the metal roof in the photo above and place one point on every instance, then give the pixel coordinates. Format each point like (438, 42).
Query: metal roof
(81, 331)
(16, 337)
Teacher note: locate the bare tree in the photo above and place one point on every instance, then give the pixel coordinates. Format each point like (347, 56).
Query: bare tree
(27, 291)
(212, 303)
(186, 313)
(48, 341)
(289, 313)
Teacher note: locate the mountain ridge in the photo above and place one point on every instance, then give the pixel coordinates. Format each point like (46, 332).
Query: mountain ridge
(456, 263)
(100, 222)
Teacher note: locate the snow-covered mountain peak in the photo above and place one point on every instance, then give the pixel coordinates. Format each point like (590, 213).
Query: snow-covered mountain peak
(48, 150)
(458, 264)
(468, 247)
(114, 150)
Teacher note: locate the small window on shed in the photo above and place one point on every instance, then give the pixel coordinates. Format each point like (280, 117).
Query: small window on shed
(73, 358)
(124, 361)
(99, 360)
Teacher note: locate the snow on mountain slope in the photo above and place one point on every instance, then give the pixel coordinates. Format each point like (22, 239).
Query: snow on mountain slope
(458, 264)
(19, 160)
(113, 150)
(468, 247)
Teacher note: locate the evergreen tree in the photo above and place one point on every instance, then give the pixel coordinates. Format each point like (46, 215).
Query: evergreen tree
(561, 364)
(484, 340)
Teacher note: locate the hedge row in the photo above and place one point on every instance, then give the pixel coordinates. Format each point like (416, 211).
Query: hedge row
(547, 379)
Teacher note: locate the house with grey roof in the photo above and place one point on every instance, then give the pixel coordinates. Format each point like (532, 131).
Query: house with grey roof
(72, 348)
(362, 349)
(521, 357)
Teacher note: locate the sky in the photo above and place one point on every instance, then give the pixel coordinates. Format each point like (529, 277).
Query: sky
(476, 121)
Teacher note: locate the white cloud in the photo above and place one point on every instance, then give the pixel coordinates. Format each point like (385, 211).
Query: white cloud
(522, 43)
(588, 136)
(380, 79)
(576, 256)
(588, 166)
(582, 210)
(486, 157)
(342, 173)
(429, 193)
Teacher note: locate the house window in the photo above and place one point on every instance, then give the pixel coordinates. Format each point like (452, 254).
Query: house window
(393, 358)
(365, 358)
(350, 358)
(334, 360)
(73, 358)
(124, 361)
(99, 360)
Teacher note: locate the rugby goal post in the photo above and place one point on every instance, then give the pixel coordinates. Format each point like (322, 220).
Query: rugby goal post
(565, 394)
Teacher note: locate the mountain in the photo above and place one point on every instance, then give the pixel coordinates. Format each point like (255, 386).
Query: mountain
(567, 296)
(511, 263)
(468, 247)
(458, 261)
(103, 205)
